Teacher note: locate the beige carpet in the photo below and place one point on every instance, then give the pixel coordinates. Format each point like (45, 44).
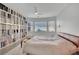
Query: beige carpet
(16, 51)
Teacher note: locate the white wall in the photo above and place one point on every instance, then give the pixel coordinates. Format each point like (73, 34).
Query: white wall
(69, 19)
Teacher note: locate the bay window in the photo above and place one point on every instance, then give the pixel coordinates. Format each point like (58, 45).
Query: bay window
(40, 26)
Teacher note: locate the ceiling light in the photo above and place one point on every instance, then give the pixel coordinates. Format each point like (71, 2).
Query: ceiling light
(35, 11)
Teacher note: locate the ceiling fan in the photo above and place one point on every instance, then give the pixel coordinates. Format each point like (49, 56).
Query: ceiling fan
(36, 11)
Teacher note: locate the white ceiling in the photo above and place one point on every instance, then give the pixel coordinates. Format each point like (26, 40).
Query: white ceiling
(44, 9)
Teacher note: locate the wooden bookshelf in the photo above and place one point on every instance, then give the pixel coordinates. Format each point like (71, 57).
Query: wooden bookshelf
(12, 25)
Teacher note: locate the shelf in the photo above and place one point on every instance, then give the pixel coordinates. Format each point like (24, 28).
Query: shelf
(12, 24)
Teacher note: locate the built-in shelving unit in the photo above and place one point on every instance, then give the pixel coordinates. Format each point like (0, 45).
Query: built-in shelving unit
(12, 25)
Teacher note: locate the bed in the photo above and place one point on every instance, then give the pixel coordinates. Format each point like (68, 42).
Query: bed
(40, 45)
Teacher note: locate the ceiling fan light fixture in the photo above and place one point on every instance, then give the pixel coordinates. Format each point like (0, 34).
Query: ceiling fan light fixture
(36, 13)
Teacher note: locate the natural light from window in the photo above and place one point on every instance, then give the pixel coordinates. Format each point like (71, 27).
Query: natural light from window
(40, 26)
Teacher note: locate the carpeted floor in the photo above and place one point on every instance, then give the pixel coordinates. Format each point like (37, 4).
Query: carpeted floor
(76, 53)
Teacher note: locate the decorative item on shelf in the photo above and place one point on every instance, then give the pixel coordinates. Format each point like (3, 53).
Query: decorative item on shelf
(3, 17)
(8, 19)
(14, 39)
(14, 31)
(8, 32)
(11, 11)
(3, 44)
(14, 36)
(9, 15)
(6, 9)
(17, 30)
(20, 20)
(1, 7)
